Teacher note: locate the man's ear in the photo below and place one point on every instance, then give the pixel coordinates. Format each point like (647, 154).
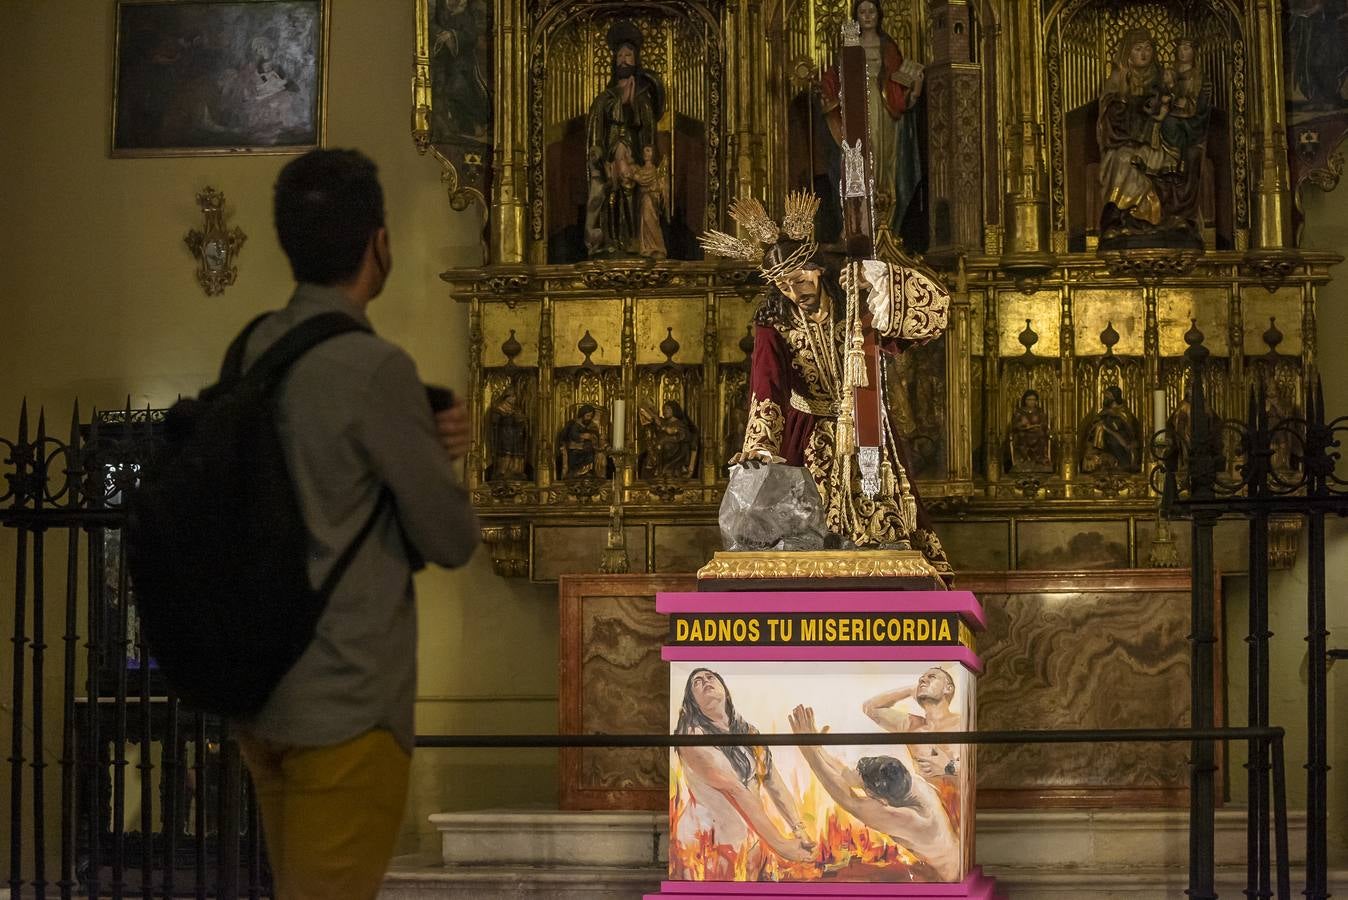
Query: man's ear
(379, 246)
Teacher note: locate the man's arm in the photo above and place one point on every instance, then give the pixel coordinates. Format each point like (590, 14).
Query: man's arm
(893, 821)
(879, 709)
(410, 455)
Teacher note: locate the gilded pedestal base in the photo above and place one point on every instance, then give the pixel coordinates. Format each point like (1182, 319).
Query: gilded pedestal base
(819, 570)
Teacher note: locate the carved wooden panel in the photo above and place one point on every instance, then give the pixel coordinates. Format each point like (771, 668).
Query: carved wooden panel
(1076, 650)
(613, 681)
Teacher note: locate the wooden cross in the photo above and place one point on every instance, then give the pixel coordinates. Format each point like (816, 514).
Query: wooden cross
(858, 204)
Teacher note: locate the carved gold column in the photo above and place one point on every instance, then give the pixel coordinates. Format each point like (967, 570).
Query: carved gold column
(1235, 339)
(954, 86)
(545, 452)
(1151, 337)
(958, 368)
(629, 387)
(1272, 227)
(745, 79)
(992, 453)
(1027, 239)
(421, 83)
(713, 454)
(1308, 343)
(476, 464)
(1067, 363)
(510, 133)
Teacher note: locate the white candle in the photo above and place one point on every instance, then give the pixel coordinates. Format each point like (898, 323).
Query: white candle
(1158, 410)
(619, 424)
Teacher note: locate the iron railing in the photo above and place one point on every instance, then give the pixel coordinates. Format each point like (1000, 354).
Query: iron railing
(198, 833)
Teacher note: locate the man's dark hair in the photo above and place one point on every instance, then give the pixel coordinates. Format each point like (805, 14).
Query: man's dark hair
(887, 779)
(328, 204)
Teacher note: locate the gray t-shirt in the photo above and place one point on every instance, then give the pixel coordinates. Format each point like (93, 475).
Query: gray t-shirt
(354, 419)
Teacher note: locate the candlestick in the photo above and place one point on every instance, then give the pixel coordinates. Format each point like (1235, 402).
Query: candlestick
(1158, 416)
(619, 424)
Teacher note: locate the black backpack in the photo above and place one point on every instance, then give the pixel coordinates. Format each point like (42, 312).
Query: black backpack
(216, 545)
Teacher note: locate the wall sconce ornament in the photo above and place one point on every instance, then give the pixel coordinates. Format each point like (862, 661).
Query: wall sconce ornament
(214, 246)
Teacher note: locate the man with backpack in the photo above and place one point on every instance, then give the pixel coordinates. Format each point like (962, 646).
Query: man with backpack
(370, 463)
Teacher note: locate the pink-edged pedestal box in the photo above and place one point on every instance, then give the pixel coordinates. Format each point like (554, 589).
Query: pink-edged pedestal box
(831, 821)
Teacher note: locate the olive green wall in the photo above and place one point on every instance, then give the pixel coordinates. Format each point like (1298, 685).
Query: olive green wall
(98, 301)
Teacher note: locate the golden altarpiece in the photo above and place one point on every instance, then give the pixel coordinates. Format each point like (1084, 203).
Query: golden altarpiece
(1029, 422)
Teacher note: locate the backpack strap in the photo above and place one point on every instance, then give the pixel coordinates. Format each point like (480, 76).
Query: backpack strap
(280, 356)
(232, 367)
(344, 561)
(267, 372)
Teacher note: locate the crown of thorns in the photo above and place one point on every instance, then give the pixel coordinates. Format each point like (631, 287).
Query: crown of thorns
(797, 224)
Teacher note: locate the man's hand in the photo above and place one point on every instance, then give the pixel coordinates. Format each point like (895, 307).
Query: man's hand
(802, 721)
(932, 765)
(452, 427)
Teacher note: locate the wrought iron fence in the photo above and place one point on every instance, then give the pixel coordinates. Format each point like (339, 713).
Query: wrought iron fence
(1272, 463)
(151, 800)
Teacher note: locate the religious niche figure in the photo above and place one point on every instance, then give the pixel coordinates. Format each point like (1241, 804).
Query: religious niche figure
(581, 446)
(1286, 436)
(1152, 130)
(670, 440)
(461, 71)
(1180, 428)
(618, 130)
(652, 182)
(898, 86)
(1110, 437)
(507, 437)
(1029, 448)
(808, 361)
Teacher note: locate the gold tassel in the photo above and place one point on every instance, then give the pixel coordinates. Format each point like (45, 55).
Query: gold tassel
(907, 503)
(854, 364)
(856, 359)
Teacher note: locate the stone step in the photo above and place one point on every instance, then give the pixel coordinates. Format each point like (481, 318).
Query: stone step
(611, 883)
(1078, 837)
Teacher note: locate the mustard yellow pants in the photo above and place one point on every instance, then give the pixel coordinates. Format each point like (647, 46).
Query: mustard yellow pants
(330, 814)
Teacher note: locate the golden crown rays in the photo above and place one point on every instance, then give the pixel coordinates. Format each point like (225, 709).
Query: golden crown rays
(798, 220)
(797, 224)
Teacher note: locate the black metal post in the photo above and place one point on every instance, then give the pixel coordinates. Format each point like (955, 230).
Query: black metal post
(146, 769)
(1317, 713)
(171, 795)
(93, 475)
(1258, 461)
(66, 884)
(20, 457)
(1280, 820)
(1319, 465)
(119, 724)
(1205, 458)
(39, 761)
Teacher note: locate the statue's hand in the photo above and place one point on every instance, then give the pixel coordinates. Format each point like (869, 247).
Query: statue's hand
(748, 460)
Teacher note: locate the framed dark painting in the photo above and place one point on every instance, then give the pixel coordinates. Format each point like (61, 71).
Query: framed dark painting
(201, 76)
